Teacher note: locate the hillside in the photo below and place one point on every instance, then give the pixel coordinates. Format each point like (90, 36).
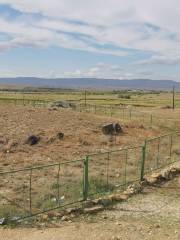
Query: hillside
(141, 84)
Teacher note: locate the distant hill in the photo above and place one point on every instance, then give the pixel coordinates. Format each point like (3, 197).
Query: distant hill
(94, 83)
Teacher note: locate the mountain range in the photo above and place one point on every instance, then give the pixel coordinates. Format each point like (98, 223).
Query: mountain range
(93, 83)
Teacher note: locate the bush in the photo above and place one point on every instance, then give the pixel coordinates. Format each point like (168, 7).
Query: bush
(124, 96)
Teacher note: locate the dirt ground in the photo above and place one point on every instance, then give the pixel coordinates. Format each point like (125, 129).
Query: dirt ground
(82, 135)
(152, 215)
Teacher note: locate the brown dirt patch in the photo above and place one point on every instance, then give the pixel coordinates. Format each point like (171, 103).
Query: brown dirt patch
(82, 135)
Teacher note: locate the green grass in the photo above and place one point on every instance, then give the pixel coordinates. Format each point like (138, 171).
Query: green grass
(146, 99)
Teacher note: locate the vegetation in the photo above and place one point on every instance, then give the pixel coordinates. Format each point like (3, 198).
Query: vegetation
(135, 98)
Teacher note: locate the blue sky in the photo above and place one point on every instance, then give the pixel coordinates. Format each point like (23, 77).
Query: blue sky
(97, 38)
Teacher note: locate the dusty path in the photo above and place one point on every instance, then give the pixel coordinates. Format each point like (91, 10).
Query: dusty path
(155, 214)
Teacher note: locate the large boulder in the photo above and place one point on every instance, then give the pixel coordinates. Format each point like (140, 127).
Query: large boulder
(61, 104)
(112, 129)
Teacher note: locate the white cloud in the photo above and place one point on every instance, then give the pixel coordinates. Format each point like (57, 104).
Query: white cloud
(105, 27)
(160, 60)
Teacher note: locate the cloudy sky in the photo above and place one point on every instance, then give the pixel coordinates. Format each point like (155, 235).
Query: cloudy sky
(97, 38)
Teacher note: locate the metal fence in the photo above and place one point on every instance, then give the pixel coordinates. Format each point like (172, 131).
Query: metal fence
(128, 114)
(24, 102)
(31, 191)
(125, 113)
(122, 112)
(161, 151)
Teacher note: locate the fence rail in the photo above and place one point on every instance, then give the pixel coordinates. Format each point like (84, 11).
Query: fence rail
(31, 191)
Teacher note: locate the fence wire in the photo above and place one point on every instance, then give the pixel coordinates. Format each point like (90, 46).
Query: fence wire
(31, 191)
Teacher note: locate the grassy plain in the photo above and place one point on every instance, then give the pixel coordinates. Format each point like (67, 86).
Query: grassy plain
(134, 98)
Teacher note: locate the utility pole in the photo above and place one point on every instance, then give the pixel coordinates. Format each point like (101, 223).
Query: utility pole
(173, 97)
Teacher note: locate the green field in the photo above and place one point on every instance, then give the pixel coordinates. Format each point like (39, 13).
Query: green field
(134, 98)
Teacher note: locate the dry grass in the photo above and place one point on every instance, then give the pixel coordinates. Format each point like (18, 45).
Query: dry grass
(83, 135)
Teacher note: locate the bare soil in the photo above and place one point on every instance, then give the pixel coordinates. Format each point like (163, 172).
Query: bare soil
(82, 135)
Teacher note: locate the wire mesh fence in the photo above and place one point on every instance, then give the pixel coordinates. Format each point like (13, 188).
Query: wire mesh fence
(24, 102)
(114, 169)
(121, 112)
(31, 191)
(129, 114)
(124, 113)
(161, 151)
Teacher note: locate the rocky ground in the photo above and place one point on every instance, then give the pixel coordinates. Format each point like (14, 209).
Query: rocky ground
(82, 135)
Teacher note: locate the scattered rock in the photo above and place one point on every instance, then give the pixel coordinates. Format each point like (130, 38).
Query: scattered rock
(44, 217)
(105, 201)
(32, 140)
(60, 135)
(119, 197)
(151, 180)
(65, 218)
(94, 209)
(61, 104)
(164, 175)
(3, 221)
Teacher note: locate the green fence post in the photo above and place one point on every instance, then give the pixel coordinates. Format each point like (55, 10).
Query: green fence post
(107, 170)
(158, 153)
(171, 144)
(86, 179)
(125, 171)
(143, 160)
(58, 185)
(30, 193)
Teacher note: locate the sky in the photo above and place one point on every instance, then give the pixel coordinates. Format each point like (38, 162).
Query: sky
(119, 39)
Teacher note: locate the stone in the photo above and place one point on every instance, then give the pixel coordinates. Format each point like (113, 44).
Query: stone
(119, 197)
(112, 129)
(94, 209)
(3, 221)
(65, 218)
(61, 104)
(151, 180)
(32, 140)
(60, 135)
(105, 202)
